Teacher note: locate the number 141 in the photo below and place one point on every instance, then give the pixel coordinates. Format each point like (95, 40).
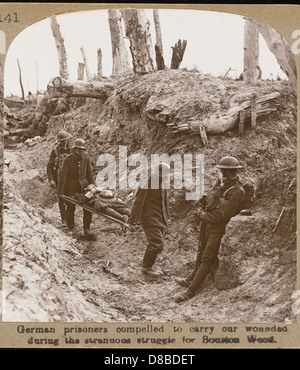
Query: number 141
(10, 17)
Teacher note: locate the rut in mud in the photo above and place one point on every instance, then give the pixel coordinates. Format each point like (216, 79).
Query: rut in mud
(50, 275)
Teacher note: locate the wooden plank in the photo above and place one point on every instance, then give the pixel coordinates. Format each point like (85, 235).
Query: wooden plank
(253, 111)
(241, 126)
(203, 135)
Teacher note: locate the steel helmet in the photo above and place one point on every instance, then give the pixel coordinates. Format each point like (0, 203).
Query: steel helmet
(79, 144)
(229, 163)
(162, 169)
(63, 135)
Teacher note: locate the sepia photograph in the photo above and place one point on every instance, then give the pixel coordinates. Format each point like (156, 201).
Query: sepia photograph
(149, 172)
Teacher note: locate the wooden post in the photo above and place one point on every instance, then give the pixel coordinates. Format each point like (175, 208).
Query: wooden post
(80, 71)
(203, 135)
(99, 65)
(241, 122)
(253, 111)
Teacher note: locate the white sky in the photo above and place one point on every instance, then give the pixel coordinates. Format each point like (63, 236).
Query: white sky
(214, 44)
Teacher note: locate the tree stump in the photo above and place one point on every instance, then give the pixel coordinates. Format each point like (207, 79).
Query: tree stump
(177, 54)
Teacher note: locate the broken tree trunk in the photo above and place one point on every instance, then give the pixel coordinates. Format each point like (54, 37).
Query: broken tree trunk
(120, 55)
(99, 64)
(159, 59)
(59, 87)
(61, 51)
(158, 45)
(177, 54)
(251, 52)
(20, 79)
(137, 30)
(280, 48)
(87, 71)
(218, 123)
(80, 71)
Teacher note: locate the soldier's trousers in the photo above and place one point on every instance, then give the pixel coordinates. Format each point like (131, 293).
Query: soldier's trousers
(209, 244)
(155, 238)
(70, 212)
(62, 209)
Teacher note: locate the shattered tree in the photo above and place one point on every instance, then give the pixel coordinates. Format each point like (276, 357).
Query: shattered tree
(159, 45)
(278, 46)
(178, 53)
(87, 71)
(120, 55)
(20, 79)
(137, 30)
(80, 71)
(251, 52)
(99, 63)
(61, 51)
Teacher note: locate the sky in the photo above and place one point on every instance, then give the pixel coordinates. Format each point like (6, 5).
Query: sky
(214, 44)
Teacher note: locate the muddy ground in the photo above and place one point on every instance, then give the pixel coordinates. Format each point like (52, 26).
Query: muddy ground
(51, 275)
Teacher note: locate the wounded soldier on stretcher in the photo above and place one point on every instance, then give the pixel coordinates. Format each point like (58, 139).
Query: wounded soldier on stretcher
(104, 201)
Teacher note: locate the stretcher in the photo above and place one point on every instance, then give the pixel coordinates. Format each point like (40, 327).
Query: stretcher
(92, 210)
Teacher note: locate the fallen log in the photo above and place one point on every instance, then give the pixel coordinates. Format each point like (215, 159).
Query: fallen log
(218, 123)
(59, 87)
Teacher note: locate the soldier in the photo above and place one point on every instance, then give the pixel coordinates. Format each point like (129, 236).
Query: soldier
(54, 165)
(75, 176)
(225, 201)
(151, 209)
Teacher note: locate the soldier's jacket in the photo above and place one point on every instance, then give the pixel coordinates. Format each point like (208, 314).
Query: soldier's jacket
(56, 159)
(76, 174)
(224, 202)
(151, 208)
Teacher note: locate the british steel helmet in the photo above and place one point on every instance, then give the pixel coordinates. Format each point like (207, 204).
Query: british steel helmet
(79, 144)
(229, 163)
(63, 135)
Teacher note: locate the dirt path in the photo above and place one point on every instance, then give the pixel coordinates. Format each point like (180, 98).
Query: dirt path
(49, 275)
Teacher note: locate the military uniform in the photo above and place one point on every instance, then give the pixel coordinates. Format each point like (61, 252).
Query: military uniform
(54, 165)
(151, 209)
(224, 202)
(75, 176)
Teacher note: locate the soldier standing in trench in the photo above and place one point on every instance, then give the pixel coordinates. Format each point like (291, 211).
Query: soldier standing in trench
(75, 176)
(225, 201)
(151, 209)
(54, 166)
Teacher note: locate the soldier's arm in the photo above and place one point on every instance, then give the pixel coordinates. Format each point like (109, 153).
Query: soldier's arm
(63, 177)
(89, 174)
(228, 208)
(50, 166)
(137, 208)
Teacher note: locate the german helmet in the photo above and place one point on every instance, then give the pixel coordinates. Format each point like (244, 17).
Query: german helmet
(79, 144)
(63, 135)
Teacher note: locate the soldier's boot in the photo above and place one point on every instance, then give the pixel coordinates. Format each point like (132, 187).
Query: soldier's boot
(148, 262)
(88, 234)
(181, 297)
(182, 282)
(151, 271)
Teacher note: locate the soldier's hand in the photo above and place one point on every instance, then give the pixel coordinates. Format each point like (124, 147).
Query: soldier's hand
(132, 228)
(53, 184)
(196, 215)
